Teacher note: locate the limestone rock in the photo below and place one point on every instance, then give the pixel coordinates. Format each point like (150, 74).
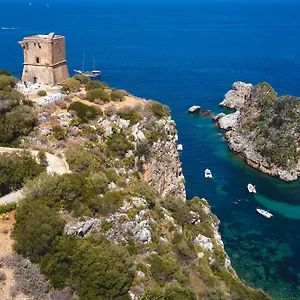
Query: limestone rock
(236, 97)
(194, 109)
(204, 242)
(229, 121)
(144, 236)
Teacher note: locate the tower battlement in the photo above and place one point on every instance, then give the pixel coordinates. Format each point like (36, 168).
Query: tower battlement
(44, 59)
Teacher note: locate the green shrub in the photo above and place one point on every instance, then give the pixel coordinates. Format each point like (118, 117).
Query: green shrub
(7, 83)
(84, 112)
(71, 85)
(93, 84)
(5, 72)
(99, 94)
(59, 133)
(176, 292)
(159, 110)
(118, 144)
(81, 78)
(4, 208)
(15, 169)
(142, 189)
(133, 116)
(165, 268)
(109, 203)
(36, 229)
(102, 271)
(116, 95)
(42, 93)
(154, 294)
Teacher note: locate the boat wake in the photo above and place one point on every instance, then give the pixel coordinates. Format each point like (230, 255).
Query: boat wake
(8, 28)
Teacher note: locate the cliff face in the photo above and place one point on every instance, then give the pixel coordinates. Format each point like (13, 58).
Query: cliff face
(263, 129)
(131, 194)
(163, 170)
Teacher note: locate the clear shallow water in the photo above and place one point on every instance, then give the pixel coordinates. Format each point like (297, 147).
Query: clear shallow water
(191, 54)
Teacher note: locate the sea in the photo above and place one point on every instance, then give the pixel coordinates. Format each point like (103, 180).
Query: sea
(185, 53)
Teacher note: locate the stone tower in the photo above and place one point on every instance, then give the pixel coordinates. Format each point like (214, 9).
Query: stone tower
(44, 59)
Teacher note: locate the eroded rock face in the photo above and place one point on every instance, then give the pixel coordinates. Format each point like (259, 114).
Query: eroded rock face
(164, 171)
(204, 242)
(236, 97)
(228, 122)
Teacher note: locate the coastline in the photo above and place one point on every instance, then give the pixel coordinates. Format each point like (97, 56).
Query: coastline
(242, 143)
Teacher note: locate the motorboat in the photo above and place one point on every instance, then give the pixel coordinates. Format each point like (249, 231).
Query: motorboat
(251, 188)
(207, 173)
(264, 213)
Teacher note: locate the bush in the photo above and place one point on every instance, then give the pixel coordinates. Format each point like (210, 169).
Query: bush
(82, 79)
(15, 169)
(36, 229)
(80, 159)
(27, 277)
(142, 189)
(159, 110)
(93, 84)
(42, 93)
(100, 94)
(131, 115)
(71, 85)
(18, 121)
(176, 292)
(118, 144)
(165, 268)
(102, 271)
(5, 72)
(116, 95)
(4, 208)
(108, 204)
(84, 112)
(59, 133)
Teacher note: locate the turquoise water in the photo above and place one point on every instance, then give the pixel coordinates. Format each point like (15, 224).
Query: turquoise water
(186, 54)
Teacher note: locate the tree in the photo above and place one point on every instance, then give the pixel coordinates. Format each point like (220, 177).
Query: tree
(36, 229)
(102, 270)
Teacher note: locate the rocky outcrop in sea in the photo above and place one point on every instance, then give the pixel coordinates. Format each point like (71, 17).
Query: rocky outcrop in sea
(244, 99)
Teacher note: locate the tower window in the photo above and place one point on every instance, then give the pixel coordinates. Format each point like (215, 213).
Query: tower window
(37, 60)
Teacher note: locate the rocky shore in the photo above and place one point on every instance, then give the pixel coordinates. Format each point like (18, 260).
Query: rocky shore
(251, 139)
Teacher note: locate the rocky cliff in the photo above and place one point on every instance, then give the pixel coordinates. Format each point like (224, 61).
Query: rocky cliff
(126, 196)
(263, 129)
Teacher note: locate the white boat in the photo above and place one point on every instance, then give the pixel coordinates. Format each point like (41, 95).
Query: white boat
(91, 74)
(207, 173)
(251, 188)
(264, 213)
(179, 147)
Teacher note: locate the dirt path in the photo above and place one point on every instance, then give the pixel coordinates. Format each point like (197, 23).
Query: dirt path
(55, 165)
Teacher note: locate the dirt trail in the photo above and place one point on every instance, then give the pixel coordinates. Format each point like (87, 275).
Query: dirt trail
(6, 249)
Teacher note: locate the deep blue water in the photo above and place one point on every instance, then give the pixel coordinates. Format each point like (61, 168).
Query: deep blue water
(185, 54)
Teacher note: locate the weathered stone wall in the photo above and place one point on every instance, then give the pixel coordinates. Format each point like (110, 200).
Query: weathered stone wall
(58, 50)
(51, 66)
